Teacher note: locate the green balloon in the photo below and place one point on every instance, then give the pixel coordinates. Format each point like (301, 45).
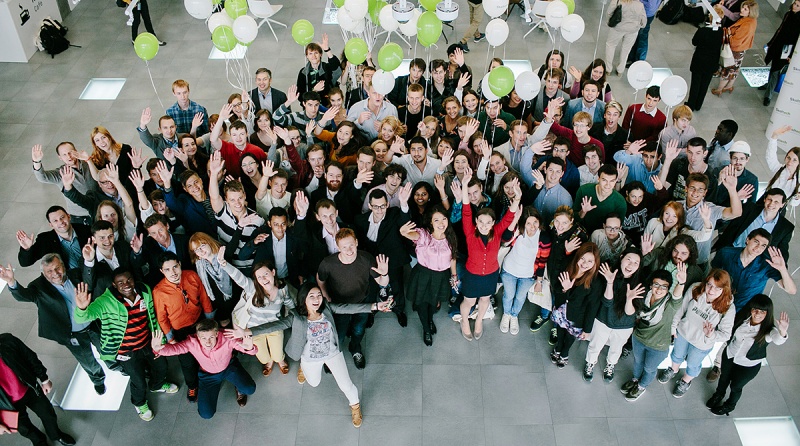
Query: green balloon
(429, 28)
(375, 12)
(429, 5)
(236, 8)
(338, 3)
(390, 56)
(303, 32)
(570, 5)
(223, 38)
(146, 46)
(501, 81)
(216, 2)
(355, 50)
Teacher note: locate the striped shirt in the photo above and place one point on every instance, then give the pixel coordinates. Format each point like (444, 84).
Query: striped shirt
(227, 229)
(137, 332)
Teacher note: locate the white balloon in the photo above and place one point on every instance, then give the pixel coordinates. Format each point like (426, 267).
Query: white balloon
(387, 20)
(555, 13)
(486, 91)
(673, 90)
(357, 9)
(383, 82)
(495, 8)
(640, 74)
(199, 9)
(245, 29)
(527, 85)
(346, 21)
(496, 32)
(361, 24)
(219, 18)
(410, 27)
(572, 27)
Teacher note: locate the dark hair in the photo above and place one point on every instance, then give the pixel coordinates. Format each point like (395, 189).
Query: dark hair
(418, 140)
(311, 96)
(156, 219)
(651, 146)
(613, 215)
(608, 169)
(166, 256)
(527, 212)
(572, 267)
(654, 91)
(730, 125)
(697, 142)
(395, 169)
(184, 177)
(492, 215)
(620, 294)
(697, 178)
(152, 163)
(758, 302)
(264, 70)
(335, 164)
(377, 194)
(587, 73)
(52, 210)
(776, 191)
(660, 274)
(277, 211)
(681, 239)
(102, 225)
(591, 81)
(562, 141)
(260, 296)
(438, 63)
(760, 232)
(419, 63)
(557, 161)
(449, 232)
(632, 186)
(302, 294)
(206, 325)
(593, 148)
(324, 203)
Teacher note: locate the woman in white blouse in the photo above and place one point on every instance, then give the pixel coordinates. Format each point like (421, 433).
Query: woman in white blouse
(786, 175)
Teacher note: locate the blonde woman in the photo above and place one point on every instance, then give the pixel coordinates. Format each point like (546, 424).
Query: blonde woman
(203, 251)
(633, 19)
(741, 35)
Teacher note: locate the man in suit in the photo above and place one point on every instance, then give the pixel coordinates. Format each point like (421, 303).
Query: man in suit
(83, 181)
(66, 239)
(103, 254)
(53, 292)
(588, 102)
(415, 71)
(279, 245)
(159, 241)
(158, 142)
(264, 96)
(320, 235)
(765, 214)
(344, 194)
(378, 232)
(26, 386)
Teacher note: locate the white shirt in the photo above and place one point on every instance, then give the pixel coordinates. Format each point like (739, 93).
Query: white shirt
(372, 232)
(279, 252)
(330, 240)
(743, 339)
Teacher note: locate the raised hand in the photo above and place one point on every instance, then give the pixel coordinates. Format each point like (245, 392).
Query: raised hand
(447, 158)
(324, 44)
(112, 172)
(181, 155)
(145, 119)
(681, 275)
(165, 173)
(572, 245)
(157, 341)
(169, 155)
(236, 332)
(25, 241)
(215, 165)
(776, 258)
(708, 328)
(783, 323)
(37, 154)
(247, 342)
(705, 214)
(330, 114)
(746, 192)
(470, 128)
(499, 123)
(647, 244)
(82, 296)
(268, 168)
(226, 112)
(566, 282)
(310, 126)
(364, 176)
(586, 205)
(634, 293)
(438, 183)
(455, 188)
(552, 106)
(404, 193)
(136, 243)
(136, 157)
(197, 121)
(538, 178)
(541, 147)
(575, 73)
(622, 170)
(672, 150)
(408, 228)
(657, 184)
(88, 251)
(730, 182)
(467, 177)
(458, 55)
(383, 265)
(301, 204)
(398, 146)
(67, 177)
(292, 95)
(7, 274)
(138, 180)
(463, 80)
(221, 256)
(249, 220)
(606, 272)
(636, 147)
(780, 131)
(260, 238)
(319, 86)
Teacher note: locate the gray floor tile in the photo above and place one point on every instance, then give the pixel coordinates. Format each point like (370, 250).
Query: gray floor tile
(701, 432)
(652, 432)
(453, 431)
(265, 427)
(391, 430)
(515, 392)
(392, 389)
(451, 391)
(499, 433)
(576, 430)
(191, 429)
(328, 429)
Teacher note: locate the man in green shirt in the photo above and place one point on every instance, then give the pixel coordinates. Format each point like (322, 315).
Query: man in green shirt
(594, 201)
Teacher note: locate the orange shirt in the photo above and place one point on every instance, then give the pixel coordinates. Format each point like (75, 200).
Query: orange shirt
(170, 300)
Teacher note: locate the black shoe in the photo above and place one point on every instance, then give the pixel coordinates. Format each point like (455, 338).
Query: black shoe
(427, 338)
(714, 401)
(625, 352)
(402, 319)
(359, 360)
(100, 388)
(66, 439)
(191, 395)
(724, 409)
(537, 323)
(763, 87)
(464, 48)
(161, 43)
(327, 370)
(766, 101)
(433, 328)
(553, 336)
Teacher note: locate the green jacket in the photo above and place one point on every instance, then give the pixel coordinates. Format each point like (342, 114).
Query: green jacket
(113, 318)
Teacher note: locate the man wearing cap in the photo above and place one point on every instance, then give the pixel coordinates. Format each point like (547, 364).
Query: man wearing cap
(739, 156)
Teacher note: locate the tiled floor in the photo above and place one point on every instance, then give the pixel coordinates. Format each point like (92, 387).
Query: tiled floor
(500, 390)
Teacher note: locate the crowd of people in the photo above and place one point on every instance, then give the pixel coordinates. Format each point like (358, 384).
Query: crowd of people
(280, 225)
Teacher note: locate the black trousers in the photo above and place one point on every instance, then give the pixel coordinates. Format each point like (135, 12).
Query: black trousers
(83, 353)
(41, 406)
(189, 365)
(735, 376)
(425, 312)
(398, 289)
(698, 89)
(141, 13)
(356, 324)
(564, 342)
(135, 366)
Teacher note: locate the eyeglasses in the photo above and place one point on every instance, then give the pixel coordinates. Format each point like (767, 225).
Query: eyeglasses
(557, 150)
(613, 228)
(658, 286)
(378, 207)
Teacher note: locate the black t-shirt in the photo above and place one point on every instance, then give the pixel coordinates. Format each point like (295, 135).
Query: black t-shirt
(348, 284)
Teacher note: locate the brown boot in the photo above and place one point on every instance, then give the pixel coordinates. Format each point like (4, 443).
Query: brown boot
(301, 378)
(355, 410)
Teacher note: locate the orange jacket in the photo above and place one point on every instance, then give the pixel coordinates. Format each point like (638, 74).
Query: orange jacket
(170, 302)
(742, 34)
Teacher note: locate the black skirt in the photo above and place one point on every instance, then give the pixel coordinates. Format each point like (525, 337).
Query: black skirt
(473, 285)
(427, 286)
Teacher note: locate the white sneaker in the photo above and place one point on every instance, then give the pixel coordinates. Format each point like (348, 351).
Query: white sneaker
(457, 317)
(504, 322)
(144, 412)
(514, 325)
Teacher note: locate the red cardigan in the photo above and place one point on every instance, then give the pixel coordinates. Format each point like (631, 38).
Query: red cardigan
(482, 259)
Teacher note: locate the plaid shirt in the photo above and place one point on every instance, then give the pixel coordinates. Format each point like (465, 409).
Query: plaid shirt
(183, 118)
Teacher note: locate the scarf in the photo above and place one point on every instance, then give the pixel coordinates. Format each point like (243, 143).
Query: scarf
(213, 270)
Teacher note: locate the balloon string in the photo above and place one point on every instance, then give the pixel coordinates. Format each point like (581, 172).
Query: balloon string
(658, 144)
(153, 84)
(488, 49)
(597, 41)
(569, 48)
(633, 112)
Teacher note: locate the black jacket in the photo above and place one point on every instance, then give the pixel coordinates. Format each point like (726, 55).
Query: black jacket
(151, 254)
(278, 99)
(54, 319)
(347, 200)
(99, 276)
(708, 44)
(48, 242)
(23, 362)
(582, 304)
(389, 242)
(296, 248)
(309, 231)
(781, 235)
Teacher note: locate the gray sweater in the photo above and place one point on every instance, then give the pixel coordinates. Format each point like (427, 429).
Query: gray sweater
(688, 321)
(633, 16)
(83, 183)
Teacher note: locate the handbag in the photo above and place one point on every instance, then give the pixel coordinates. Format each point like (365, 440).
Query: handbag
(616, 17)
(726, 54)
(544, 298)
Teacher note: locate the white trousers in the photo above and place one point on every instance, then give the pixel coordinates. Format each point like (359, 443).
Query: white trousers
(602, 335)
(313, 373)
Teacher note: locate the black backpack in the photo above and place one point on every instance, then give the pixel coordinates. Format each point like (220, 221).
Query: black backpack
(672, 12)
(52, 37)
(616, 17)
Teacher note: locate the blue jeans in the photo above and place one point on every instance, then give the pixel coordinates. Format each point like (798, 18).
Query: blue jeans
(515, 291)
(639, 51)
(210, 384)
(646, 361)
(683, 350)
(358, 323)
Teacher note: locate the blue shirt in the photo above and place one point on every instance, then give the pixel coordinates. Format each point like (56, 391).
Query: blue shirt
(73, 250)
(550, 199)
(183, 118)
(747, 281)
(759, 222)
(637, 170)
(67, 291)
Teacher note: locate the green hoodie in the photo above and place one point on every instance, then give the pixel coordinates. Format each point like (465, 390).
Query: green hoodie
(113, 318)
